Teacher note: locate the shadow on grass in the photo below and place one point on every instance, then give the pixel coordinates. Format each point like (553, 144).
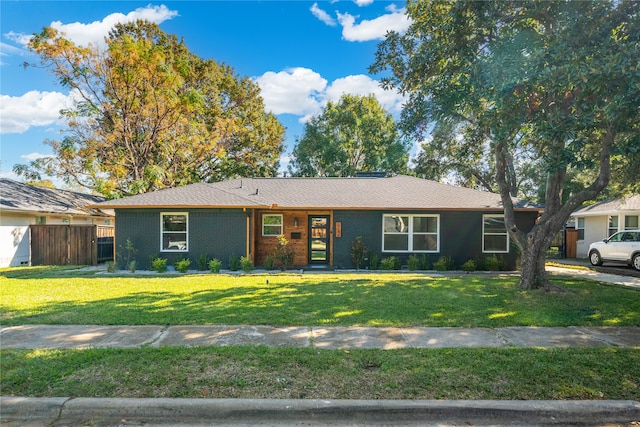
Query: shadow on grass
(322, 300)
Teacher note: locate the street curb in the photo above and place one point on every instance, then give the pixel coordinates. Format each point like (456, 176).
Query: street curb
(59, 411)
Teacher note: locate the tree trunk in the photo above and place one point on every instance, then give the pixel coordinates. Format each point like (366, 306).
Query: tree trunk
(532, 257)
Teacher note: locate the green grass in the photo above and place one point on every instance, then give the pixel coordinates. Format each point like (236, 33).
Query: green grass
(261, 372)
(57, 296)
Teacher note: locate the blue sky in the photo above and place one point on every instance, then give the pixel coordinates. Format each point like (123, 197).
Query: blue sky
(302, 54)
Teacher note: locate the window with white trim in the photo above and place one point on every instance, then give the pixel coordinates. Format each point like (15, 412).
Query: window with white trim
(271, 225)
(613, 225)
(174, 231)
(580, 228)
(631, 222)
(410, 233)
(495, 238)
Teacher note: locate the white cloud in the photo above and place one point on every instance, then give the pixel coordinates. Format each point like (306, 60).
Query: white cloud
(364, 85)
(35, 156)
(322, 15)
(374, 29)
(363, 2)
(95, 32)
(34, 108)
(293, 91)
(303, 92)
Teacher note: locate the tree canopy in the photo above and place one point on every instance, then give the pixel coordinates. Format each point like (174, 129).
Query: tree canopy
(558, 82)
(150, 114)
(353, 135)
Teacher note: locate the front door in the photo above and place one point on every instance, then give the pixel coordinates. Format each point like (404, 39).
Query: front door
(318, 239)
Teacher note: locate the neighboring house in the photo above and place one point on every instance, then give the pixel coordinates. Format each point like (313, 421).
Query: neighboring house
(601, 220)
(321, 218)
(23, 205)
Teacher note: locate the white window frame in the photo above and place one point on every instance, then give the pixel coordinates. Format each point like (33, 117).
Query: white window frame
(631, 227)
(273, 225)
(163, 232)
(580, 227)
(613, 228)
(484, 233)
(411, 233)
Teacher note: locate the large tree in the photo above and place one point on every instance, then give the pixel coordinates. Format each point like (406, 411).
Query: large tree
(353, 135)
(150, 114)
(558, 80)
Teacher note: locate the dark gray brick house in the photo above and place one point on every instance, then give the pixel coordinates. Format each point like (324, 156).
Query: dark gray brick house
(321, 217)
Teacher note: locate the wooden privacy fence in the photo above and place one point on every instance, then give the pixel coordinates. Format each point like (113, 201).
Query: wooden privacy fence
(70, 244)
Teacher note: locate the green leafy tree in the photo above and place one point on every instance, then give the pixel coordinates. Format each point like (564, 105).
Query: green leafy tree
(150, 114)
(353, 135)
(557, 80)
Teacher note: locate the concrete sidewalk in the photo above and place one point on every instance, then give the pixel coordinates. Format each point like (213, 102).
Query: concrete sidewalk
(616, 279)
(65, 411)
(72, 336)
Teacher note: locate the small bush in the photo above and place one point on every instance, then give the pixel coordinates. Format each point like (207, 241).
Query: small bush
(390, 263)
(182, 265)
(111, 266)
(373, 261)
(132, 266)
(445, 263)
(284, 253)
(493, 263)
(203, 262)
(358, 252)
(159, 265)
(246, 263)
(469, 265)
(129, 252)
(269, 262)
(215, 265)
(424, 262)
(414, 263)
(481, 265)
(234, 262)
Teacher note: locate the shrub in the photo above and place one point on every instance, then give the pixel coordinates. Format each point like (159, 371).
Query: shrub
(246, 263)
(414, 263)
(215, 265)
(358, 252)
(390, 263)
(182, 265)
(129, 252)
(373, 261)
(234, 262)
(469, 265)
(445, 263)
(493, 263)
(132, 266)
(111, 266)
(481, 265)
(269, 262)
(203, 262)
(159, 265)
(424, 262)
(284, 253)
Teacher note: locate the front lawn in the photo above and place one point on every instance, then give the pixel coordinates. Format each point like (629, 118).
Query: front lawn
(52, 296)
(261, 372)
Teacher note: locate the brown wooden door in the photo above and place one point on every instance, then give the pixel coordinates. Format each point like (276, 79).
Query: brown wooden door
(571, 243)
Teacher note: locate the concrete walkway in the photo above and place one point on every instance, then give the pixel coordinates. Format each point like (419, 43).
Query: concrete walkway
(72, 336)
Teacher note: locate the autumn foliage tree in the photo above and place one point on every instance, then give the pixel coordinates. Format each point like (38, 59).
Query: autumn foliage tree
(559, 81)
(149, 114)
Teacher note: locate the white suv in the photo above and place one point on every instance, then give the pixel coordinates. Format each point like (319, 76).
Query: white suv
(624, 246)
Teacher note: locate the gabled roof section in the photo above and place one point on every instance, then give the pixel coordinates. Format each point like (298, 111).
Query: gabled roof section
(611, 206)
(397, 192)
(200, 195)
(19, 197)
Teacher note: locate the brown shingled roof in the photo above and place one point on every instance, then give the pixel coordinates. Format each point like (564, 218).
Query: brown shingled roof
(397, 192)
